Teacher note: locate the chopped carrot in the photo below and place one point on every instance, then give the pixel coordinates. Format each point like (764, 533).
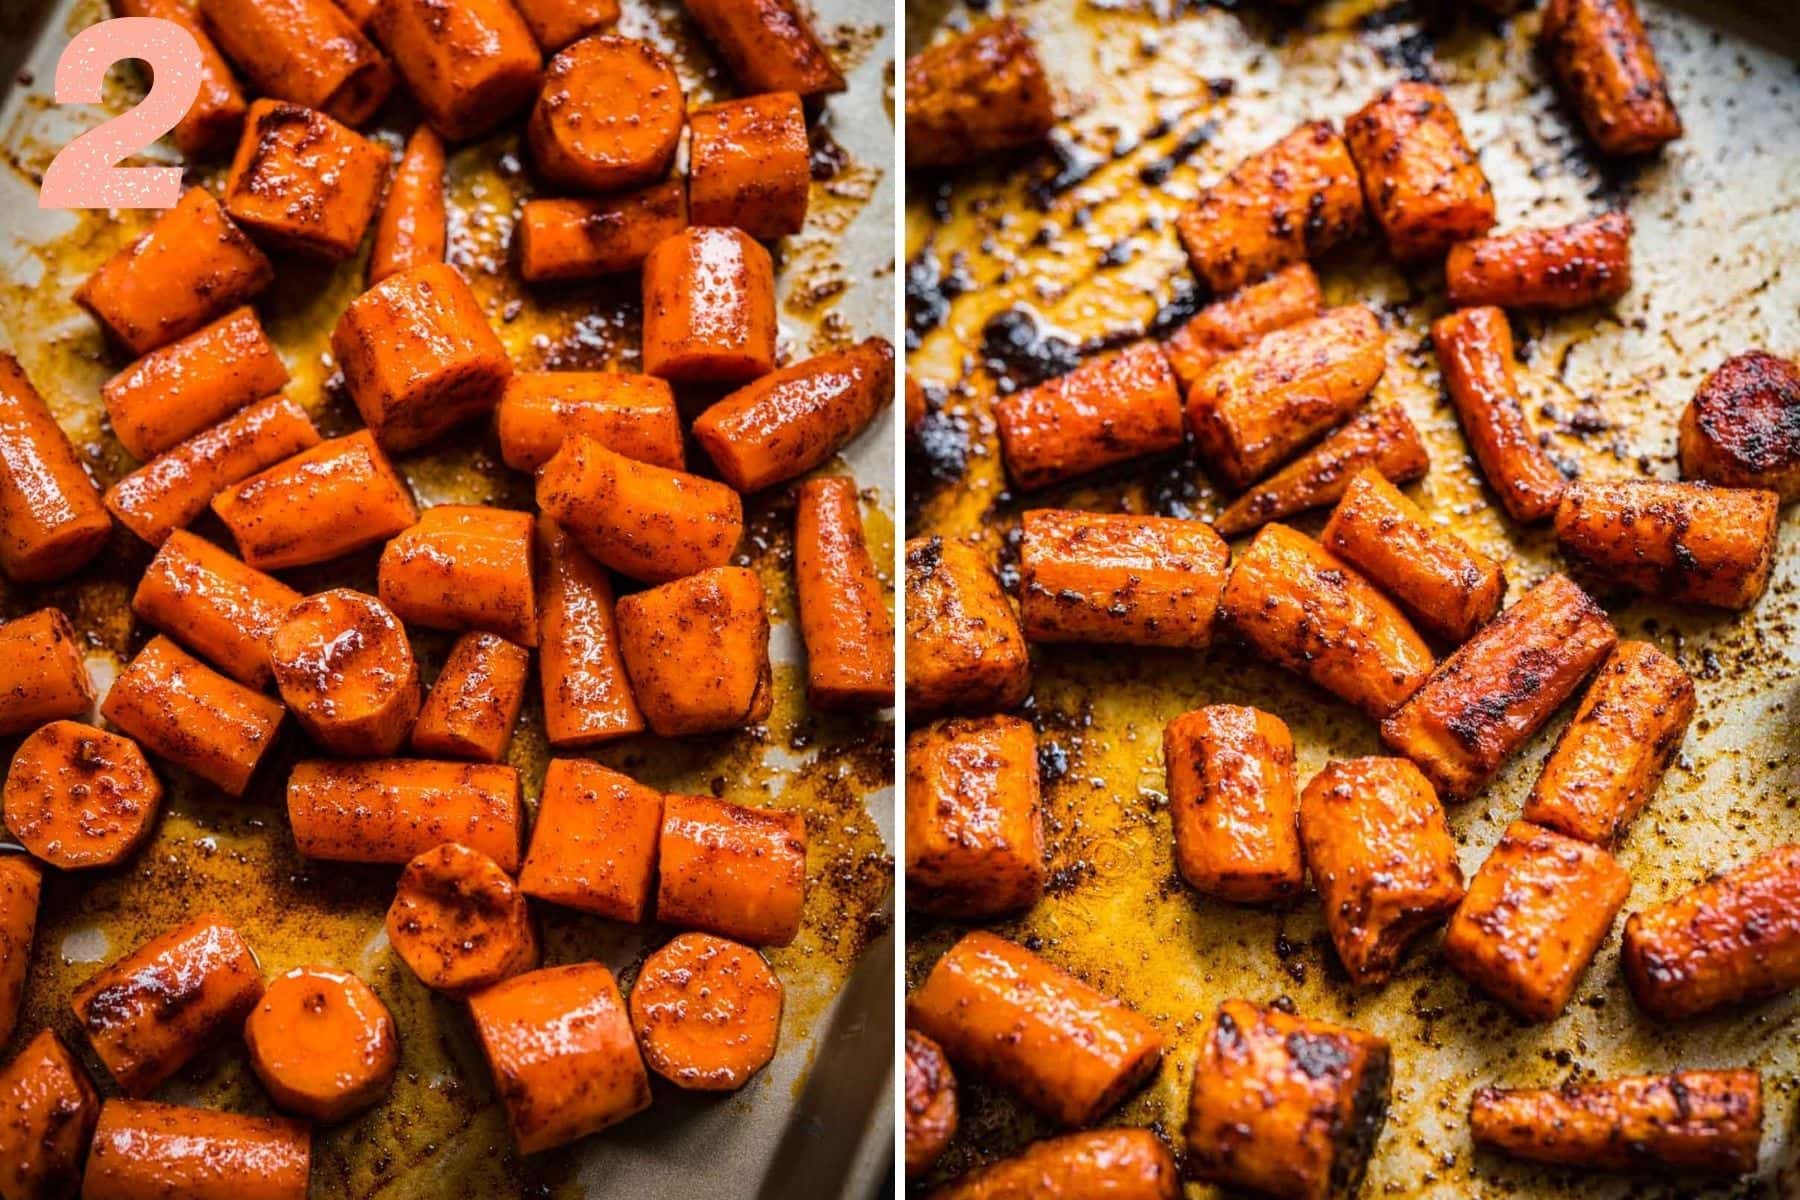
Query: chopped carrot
(470, 65)
(345, 667)
(180, 709)
(697, 652)
(42, 674)
(326, 501)
(215, 605)
(20, 883)
(633, 415)
(143, 1149)
(217, 113)
(609, 116)
(51, 519)
(556, 23)
(322, 1042)
(304, 183)
(50, 1109)
(845, 617)
(750, 165)
(475, 702)
(411, 228)
(731, 870)
(79, 797)
(707, 1012)
(769, 45)
(593, 846)
(392, 810)
(587, 697)
(459, 922)
(306, 51)
(709, 307)
(464, 566)
(564, 240)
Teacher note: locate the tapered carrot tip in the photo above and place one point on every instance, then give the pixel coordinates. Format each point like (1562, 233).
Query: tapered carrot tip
(459, 922)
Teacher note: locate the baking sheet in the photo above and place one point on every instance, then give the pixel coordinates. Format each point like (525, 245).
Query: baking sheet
(818, 1121)
(1014, 272)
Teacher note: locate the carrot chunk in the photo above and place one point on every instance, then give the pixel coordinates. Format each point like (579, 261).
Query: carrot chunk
(1603, 59)
(587, 695)
(556, 23)
(1475, 354)
(560, 241)
(1119, 1164)
(305, 51)
(768, 45)
(1423, 184)
(1287, 297)
(964, 648)
(633, 415)
(471, 66)
(143, 1149)
(609, 116)
(976, 95)
(1380, 436)
(179, 389)
(215, 605)
(20, 883)
(845, 620)
(931, 1106)
(1120, 579)
(1107, 411)
(1565, 267)
(79, 797)
(697, 652)
(475, 702)
(974, 818)
(180, 709)
(459, 922)
(50, 1111)
(303, 182)
(706, 1012)
(709, 307)
(346, 669)
(593, 846)
(411, 228)
(1232, 803)
(320, 504)
(212, 121)
(392, 810)
(1742, 428)
(464, 566)
(323, 1043)
(750, 165)
(731, 870)
(43, 677)
(51, 520)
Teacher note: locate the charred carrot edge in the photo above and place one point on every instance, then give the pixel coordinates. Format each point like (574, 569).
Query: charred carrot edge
(709, 307)
(326, 501)
(365, 701)
(464, 566)
(322, 1043)
(1735, 432)
(20, 883)
(964, 647)
(768, 45)
(844, 613)
(214, 604)
(392, 810)
(1422, 182)
(978, 93)
(633, 415)
(459, 922)
(729, 869)
(1232, 322)
(303, 182)
(1106, 411)
(475, 702)
(306, 51)
(930, 1103)
(43, 676)
(78, 797)
(52, 522)
(180, 709)
(974, 823)
(719, 618)
(142, 1149)
(1565, 267)
(587, 695)
(1603, 58)
(594, 842)
(720, 1048)
(411, 228)
(471, 68)
(750, 165)
(51, 1108)
(561, 241)
(1233, 803)
(574, 147)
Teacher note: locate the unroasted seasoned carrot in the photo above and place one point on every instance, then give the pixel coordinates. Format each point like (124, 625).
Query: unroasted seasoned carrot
(845, 620)
(180, 389)
(305, 51)
(706, 1011)
(784, 424)
(709, 307)
(1687, 543)
(77, 797)
(976, 94)
(20, 883)
(42, 674)
(459, 922)
(1422, 183)
(470, 65)
(180, 709)
(560, 1046)
(143, 1149)
(344, 666)
(641, 520)
(1232, 803)
(731, 870)
(633, 415)
(697, 652)
(564, 240)
(609, 116)
(475, 701)
(1065, 1048)
(50, 1111)
(326, 501)
(214, 604)
(172, 489)
(464, 566)
(1562, 267)
(302, 182)
(1108, 410)
(593, 844)
(556, 23)
(1119, 1164)
(151, 1011)
(410, 230)
(322, 1042)
(587, 695)
(1742, 428)
(51, 518)
(1232, 322)
(930, 1103)
(193, 264)
(1475, 353)
(768, 45)
(964, 647)
(1604, 60)
(212, 121)
(1119, 578)
(392, 810)
(750, 165)
(974, 824)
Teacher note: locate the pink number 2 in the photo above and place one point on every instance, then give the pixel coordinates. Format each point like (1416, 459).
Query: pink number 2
(85, 173)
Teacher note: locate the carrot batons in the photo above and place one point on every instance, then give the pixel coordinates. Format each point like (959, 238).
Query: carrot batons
(930, 1103)
(633, 415)
(975, 95)
(475, 701)
(845, 620)
(78, 797)
(1475, 354)
(1686, 543)
(1231, 803)
(470, 65)
(1284, 1105)
(344, 666)
(1422, 183)
(784, 424)
(324, 502)
(974, 828)
(305, 51)
(192, 265)
(322, 1043)
(1729, 941)
(393, 810)
(768, 45)
(1686, 1121)
(609, 117)
(143, 1149)
(459, 922)
(564, 240)
(1610, 758)
(1604, 60)
(151, 1011)
(593, 845)
(731, 870)
(304, 183)
(587, 696)
(1119, 579)
(51, 520)
(750, 165)
(20, 883)
(1232, 322)
(464, 566)
(43, 677)
(1119, 1164)
(1106, 411)
(556, 23)
(1535, 914)
(709, 307)
(50, 1111)
(410, 230)
(1742, 428)
(1065, 1048)
(1260, 406)
(419, 356)
(964, 648)
(560, 1045)
(1293, 601)
(180, 389)
(180, 709)
(217, 113)
(1564, 267)
(706, 1011)
(214, 604)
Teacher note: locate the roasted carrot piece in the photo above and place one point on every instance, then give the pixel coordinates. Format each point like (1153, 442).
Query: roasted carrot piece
(1119, 578)
(192, 265)
(127, 1012)
(1604, 61)
(308, 52)
(392, 810)
(1284, 1105)
(564, 240)
(172, 489)
(143, 1149)
(1563, 267)
(1422, 183)
(633, 415)
(1067, 1049)
(344, 666)
(1305, 609)
(644, 521)
(43, 677)
(593, 845)
(731, 870)
(464, 566)
(471, 66)
(556, 23)
(1443, 583)
(212, 121)
(1106, 411)
(459, 922)
(1232, 803)
(323, 1043)
(1612, 755)
(360, 12)
(78, 797)
(974, 824)
(768, 45)
(976, 94)
(587, 696)
(177, 390)
(1288, 203)
(217, 606)
(609, 116)
(1380, 436)
(709, 307)
(1742, 428)
(51, 520)
(930, 1103)
(1230, 323)
(1687, 543)
(697, 652)
(750, 165)
(1120, 1164)
(964, 648)
(326, 501)
(50, 1111)
(1475, 354)
(706, 1011)
(180, 709)
(784, 424)
(304, 183)
(1731, 940)
(410, 229)
(20, 883)
(473, 706)
(845, 620)
(559, 1043)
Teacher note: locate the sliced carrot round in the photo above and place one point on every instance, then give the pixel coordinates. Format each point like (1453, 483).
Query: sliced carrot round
(459, 921)
(609, 117)
(344, 666)
(80, 797)
(323, 1043)
(707, 1012)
